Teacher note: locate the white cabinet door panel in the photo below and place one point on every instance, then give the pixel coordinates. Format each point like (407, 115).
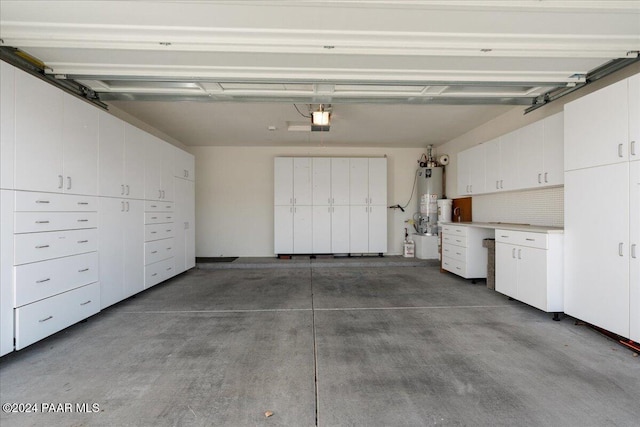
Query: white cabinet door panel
(553, 151)
(302, 181)
(359, 181)
(134, 162)
(530, 145)
(283, 181)
(494, 165)
(508, 161)
(152, 165)
(340, 181)
(634, 229)
(597, 128)
(7, 124)
(506, 269)
(302, 230)
(111, 156)
(359, 229)
(532, 277)
(166, 178)
(181, 186)
(340, 229)
(378, 181)
(80, 146)
(596, 258)
(283, 230)
(6, 271)
(634, 117)
(38, 148)
(190, 231)
(133, 248)
(321, 181)
(111, 215)
(321, 229)
(378, 229)
(477, 169)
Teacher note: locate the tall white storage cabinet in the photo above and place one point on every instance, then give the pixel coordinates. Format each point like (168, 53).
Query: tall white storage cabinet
(184, 174)
(601, 181)
(330, 205)
(6, 271)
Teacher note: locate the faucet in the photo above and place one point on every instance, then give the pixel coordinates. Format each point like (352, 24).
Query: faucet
(457, 208)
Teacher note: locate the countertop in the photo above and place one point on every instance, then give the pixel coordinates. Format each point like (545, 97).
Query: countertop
(511, 226)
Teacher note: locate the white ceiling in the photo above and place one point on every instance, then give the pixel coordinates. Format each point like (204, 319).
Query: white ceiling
(397, 73)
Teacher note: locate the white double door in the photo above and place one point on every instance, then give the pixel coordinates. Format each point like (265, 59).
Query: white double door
(330, 212)
(368, 210)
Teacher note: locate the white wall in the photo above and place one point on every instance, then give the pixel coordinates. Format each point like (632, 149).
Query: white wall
(234, 195)
(540, 207)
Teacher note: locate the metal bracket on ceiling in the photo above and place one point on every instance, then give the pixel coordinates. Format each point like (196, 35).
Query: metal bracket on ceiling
(35, 67)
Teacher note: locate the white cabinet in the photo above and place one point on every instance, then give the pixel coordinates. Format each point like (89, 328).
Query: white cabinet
(6, 271)
(553, 150)
(120, 248)
(540, 153)
(283, 229)
(121, 159)
(462, 250)
(500, 156)
(529, 268)
(283, 181)
(184, 225)
(471, 170)
(601, 264)
(158, 169)
(184, 165)
(7, 124)
(159, 254)
(56, 146)
(368, 210)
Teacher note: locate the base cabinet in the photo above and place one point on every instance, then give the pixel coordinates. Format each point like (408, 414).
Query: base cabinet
(462, 250)
(529, 268)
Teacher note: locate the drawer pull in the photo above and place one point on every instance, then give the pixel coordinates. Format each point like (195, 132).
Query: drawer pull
(85, 303)
(168, 217)
(154, 252)
(83, 241)
(458, 253)
(45, 319)
(169, 268)
(154, 274)
(83, 270)
(458, 231)
(43, 280)
(154, 206)
(42, 222)
(168, 231)
(530, 240)
(154, 232)
(42, 246)
(83, 203)
(459, 241)
(83, 220)
(169, 248)
(505, 237)
(154, 217)
(43, 201)
(457, 268)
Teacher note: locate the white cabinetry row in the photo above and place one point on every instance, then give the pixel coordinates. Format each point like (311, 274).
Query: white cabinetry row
(602, 181)
(84, 199)
(330, 205)
(530, 157)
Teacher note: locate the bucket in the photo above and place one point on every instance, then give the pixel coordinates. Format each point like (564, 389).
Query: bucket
(409, 249)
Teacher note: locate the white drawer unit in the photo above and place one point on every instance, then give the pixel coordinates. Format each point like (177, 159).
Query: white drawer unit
(158, 217)
(33, 222)
(40, 280)
(33, 247)
(158, 231)
(38, 320)
(27, 201)
(158, 206)
(529, 268)
(158, 250)
(158, 272)
(462, 250)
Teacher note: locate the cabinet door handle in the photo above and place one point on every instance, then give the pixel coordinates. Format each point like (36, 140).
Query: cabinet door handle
(60, 178)
(620, 150)
(83, 241)
(329, 200)
(127, 206)
(633, 148)
(290, 200)
(83, 220)
(169, 268)
(83, 203)
(501, 186)
(43, 280)
(122, 189)
(504, 237)
(42, 246)
(539, 178)
(620, 249)
(43, 201)
(42, 222)
(122, 207)
(471, 188)
(154, 252)
(159, 194)
(154, 232)
(546, 177)
(85, 303)
(68, 183)
(82, 270)
(513, 253)
(530, 240)
(127, 189)
(45, 319)
(497, 184)
(633, 250)
(154, 274)
(519, 253)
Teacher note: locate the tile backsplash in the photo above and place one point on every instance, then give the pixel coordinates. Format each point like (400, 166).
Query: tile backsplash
(535, 207)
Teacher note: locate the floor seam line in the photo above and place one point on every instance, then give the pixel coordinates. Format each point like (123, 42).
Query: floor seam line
(315, 347)
(413, 308)
(284, 310)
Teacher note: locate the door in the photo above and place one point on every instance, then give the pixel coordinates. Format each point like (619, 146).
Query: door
(166, 178)
(340, 181)
(508, 161)
(476, 169)
(283, 229)
(133, 247)
(378, 182)
(494, 164)
(532, 276)
(38, 147)
(283, 181)
(634, 228)
(597, 128)
(190, 239)
(506, 269)
(553, 150)
(463, 172)
(340, 229)
(530, 167)
(6, 270)
(321, 229)
(111, 156)
(378, 229)
(111, 223)
(134, 161)
(302, 230)
(359, 181)
(180, 224)
(7, 124)
(634, 117)
(80, 146)
(321, 181)
(359, 229)
(152, 165)
(596, 246)
(302, 181)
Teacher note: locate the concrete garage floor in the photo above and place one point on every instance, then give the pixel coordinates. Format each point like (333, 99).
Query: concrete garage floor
(365, 345)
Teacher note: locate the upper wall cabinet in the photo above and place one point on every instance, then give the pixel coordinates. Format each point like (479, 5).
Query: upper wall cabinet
(7, 124)
(471, 170)
(541, 152)
(158, 168)
(501, 164)
(292, 181)
(597, 128)
(56, 146)
(184, 165)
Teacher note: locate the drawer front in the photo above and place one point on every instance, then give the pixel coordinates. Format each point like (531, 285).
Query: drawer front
(158, 217)
(455, 252)
(158, 250)
(455, 230)
(523, 238)
(158, 231)
(158, 206)
(158, 272)
(27, 201)
(40, 319)
(454, 266)
(30, 222)
(41, 280)
(454, 240)
(33, 247)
